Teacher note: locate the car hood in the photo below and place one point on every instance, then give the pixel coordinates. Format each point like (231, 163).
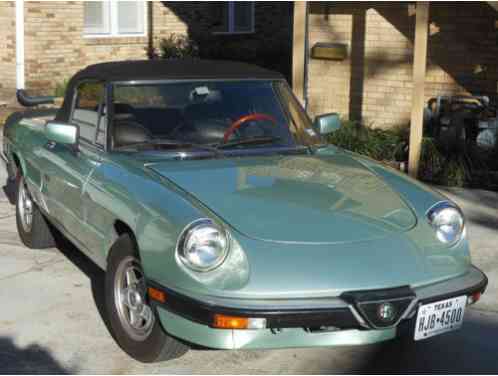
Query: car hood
(298, 199)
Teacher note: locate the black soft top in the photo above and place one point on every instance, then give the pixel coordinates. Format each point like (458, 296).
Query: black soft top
(174, 69)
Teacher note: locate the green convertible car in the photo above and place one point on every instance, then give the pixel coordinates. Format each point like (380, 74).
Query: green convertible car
(222, 218)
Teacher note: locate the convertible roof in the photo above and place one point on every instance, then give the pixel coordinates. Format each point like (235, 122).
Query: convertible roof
(174, 69)
(136, 70)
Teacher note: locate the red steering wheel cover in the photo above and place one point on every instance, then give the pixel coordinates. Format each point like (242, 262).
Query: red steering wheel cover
(237, 123)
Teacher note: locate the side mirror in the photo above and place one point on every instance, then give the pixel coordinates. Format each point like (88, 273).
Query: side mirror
(62, 133)
(327, 123)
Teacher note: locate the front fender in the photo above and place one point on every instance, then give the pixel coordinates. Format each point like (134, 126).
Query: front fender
(159, 226)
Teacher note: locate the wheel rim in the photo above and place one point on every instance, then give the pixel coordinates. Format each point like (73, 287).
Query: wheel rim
(130, 294)
(25, 207)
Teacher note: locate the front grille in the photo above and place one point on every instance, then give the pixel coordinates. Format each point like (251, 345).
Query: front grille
(376, 313)
(382, 308)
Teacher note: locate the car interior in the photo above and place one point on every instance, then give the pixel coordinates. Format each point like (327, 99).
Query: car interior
(203, 119)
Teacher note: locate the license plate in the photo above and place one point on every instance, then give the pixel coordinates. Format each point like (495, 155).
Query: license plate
(439, 317)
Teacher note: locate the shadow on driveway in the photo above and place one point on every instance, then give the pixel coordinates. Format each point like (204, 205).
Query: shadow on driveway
(71, 252)
(9, 190)
(90, 269)
(471, 350)
(33, 359)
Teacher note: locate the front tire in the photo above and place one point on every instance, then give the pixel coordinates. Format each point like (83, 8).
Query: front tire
(33, 228)
(133, 321)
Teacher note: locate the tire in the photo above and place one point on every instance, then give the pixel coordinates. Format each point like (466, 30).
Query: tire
(37, 234)
(149, 343)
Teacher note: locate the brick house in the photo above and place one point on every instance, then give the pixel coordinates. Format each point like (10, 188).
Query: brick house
(374, 81)
(63, 37)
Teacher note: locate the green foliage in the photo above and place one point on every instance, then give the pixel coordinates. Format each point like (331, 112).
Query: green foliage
(392, 145)
(60, 88)
(431, 160)
(436, 167)
(379, 144)
(455, 173)
(178, 46)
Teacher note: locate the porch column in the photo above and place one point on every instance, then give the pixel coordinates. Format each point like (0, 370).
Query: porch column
(419, 69)
(298, 46)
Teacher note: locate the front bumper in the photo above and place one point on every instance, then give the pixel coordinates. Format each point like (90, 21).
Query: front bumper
(304, 322)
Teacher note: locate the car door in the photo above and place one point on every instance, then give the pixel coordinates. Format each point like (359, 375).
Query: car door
(69, 170)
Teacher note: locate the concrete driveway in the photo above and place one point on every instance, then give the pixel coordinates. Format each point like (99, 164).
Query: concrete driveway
(51, 322)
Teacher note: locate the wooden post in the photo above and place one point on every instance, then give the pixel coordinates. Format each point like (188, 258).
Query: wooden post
(150, 30)
(298, 46)
(418, 101)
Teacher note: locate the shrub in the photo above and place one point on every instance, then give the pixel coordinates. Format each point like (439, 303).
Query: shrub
(455, 172)
(379, 144)
(178, 46)
(392, 145)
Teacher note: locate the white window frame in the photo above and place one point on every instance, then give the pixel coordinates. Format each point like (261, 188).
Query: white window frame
(231, 20)
(112, 14)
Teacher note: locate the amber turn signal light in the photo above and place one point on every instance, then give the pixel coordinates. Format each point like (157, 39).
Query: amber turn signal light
(234, 322)
(229, 322)
(156, 294)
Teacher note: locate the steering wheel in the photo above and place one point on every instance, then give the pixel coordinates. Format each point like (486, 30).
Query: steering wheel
(244, 118)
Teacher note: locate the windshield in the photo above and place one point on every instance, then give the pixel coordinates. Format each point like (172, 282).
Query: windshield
(209, 115)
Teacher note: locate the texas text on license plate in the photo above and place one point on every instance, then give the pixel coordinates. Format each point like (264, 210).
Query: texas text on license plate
(439, 317)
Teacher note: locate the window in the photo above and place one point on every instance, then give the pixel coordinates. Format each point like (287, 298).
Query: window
(202, 112)
(87, 110)
(114, 18)
(236, 17)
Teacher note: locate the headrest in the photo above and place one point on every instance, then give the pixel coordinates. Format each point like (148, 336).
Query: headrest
(127, 132)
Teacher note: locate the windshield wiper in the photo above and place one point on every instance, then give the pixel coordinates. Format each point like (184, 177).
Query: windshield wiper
(173, 144)
(249, 141)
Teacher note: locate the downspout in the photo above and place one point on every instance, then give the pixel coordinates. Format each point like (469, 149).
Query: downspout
(22, 97)
(19, 44)
(306, 57)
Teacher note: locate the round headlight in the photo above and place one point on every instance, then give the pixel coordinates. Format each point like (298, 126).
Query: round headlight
(447, 221)
(203, 245)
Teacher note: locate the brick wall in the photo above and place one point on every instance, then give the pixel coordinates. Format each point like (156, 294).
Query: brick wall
(55, 47)
(270, 45)
(7, 48)
(374, 83)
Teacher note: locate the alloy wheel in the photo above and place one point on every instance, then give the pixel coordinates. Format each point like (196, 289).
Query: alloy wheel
(25, 207)
(130, 294)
